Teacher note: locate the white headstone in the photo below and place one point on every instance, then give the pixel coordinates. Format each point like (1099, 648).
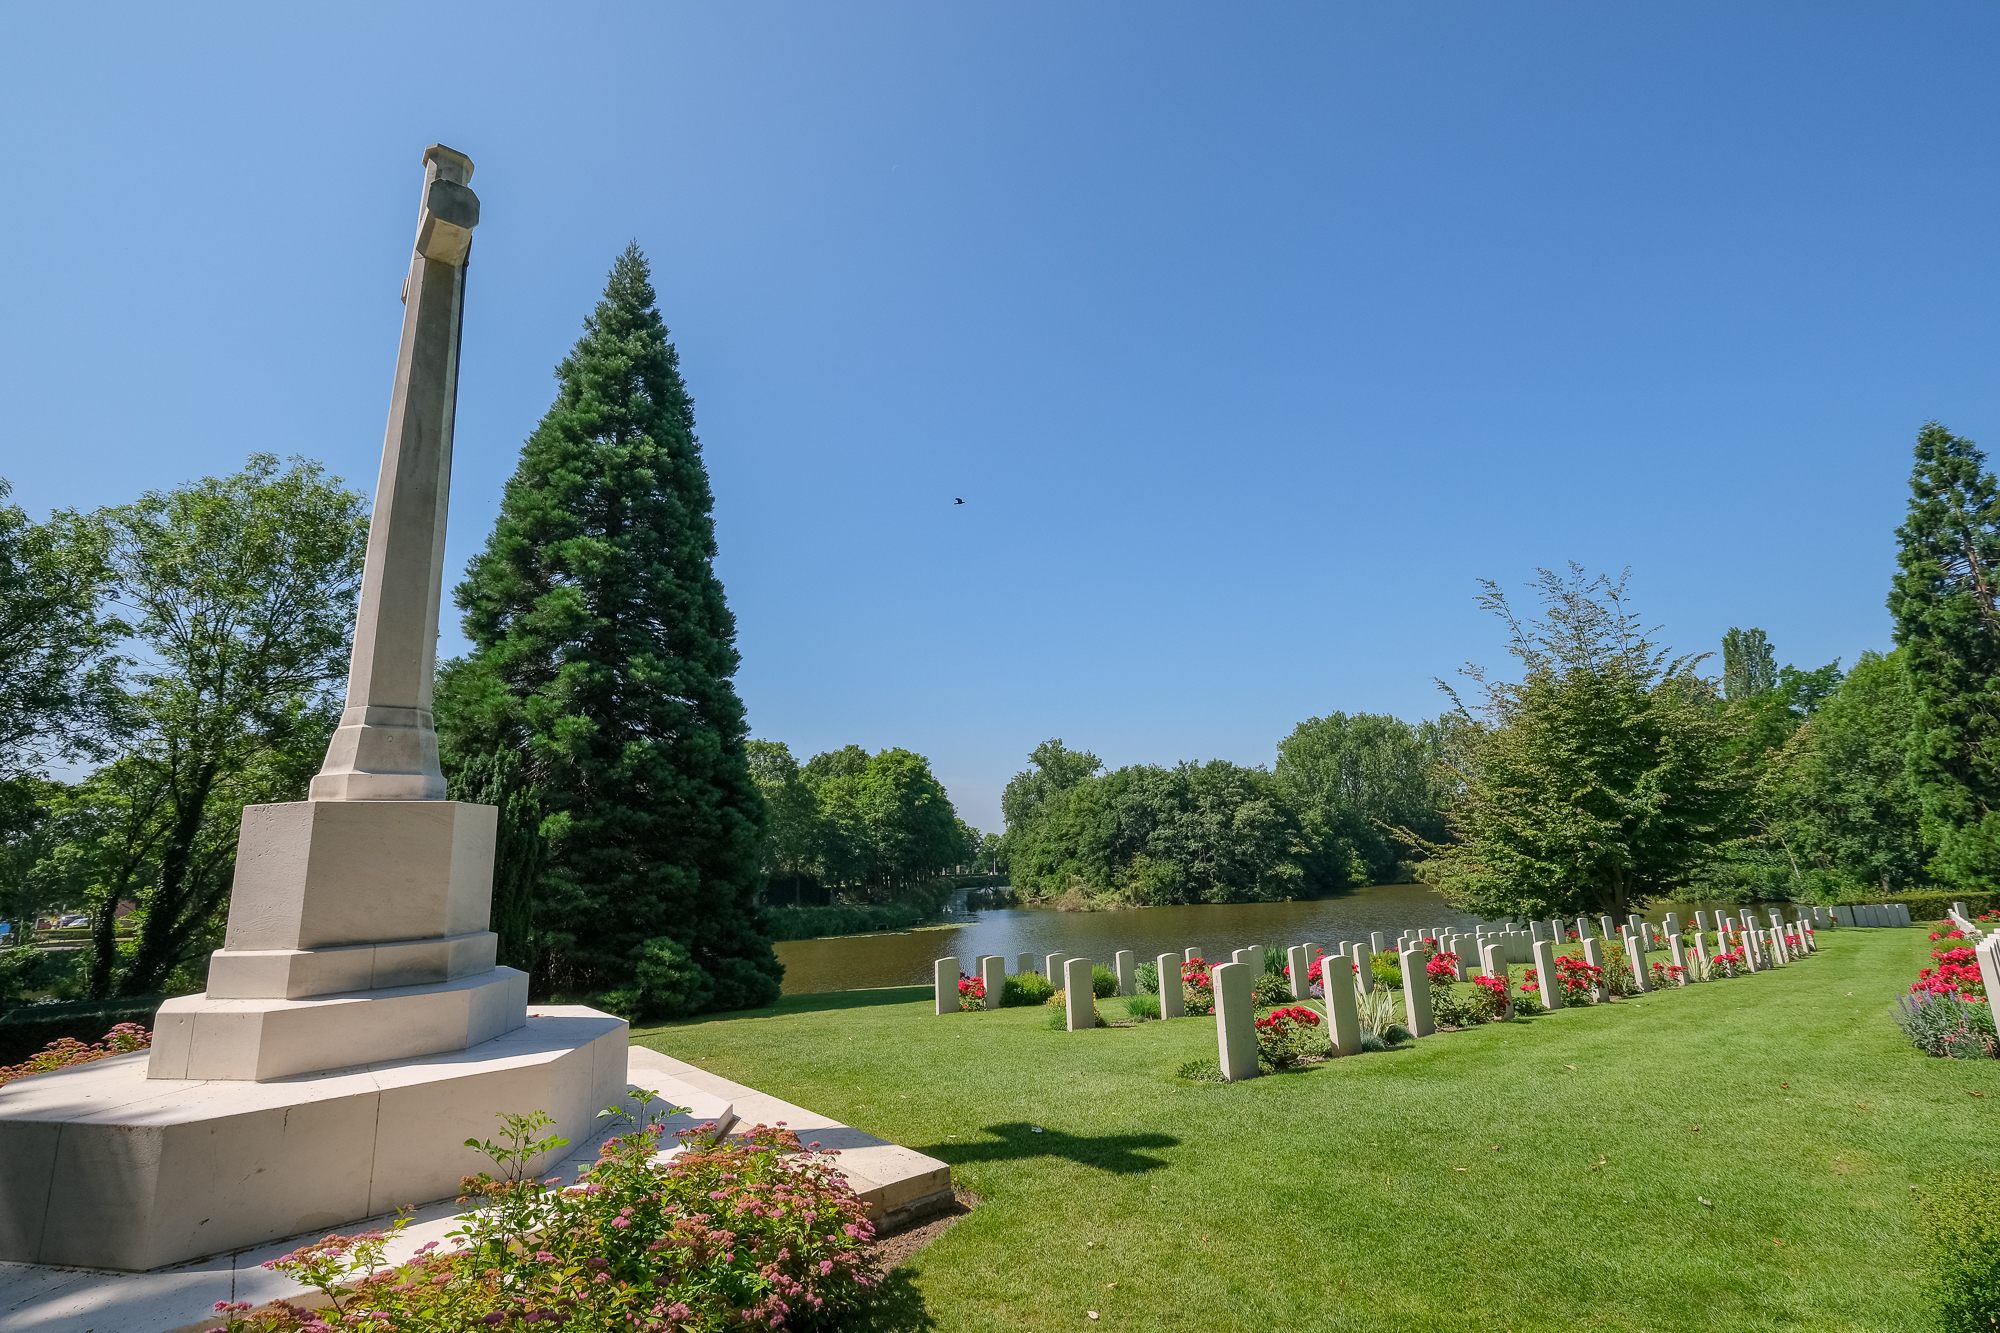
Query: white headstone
(1298, 959)
(1635, 956)
(1417, 992)
(1593, 953)
(1125, 964)
(1545, 975)
(945, 978)
(1079, 997)
(1171, 999)
(1342, 1016)
(1235, 1020)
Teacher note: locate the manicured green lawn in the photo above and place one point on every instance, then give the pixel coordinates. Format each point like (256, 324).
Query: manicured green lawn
(1542, 1174)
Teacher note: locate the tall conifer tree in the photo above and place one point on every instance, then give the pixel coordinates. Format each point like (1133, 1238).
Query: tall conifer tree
(1947, 623)
(603, 655)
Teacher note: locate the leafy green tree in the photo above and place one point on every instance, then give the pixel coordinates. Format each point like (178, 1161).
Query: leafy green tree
(1839, 804)
(788, 856)
(885, 823)
(1948, 627)
(240, 591)
(1350, 781)
(59, 683)
(1598, 779)
(1749, 666)
(603, 655)
(1194, 833)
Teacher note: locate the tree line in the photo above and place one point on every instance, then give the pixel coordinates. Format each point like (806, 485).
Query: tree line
(1604, 769)
(1321, 820)
(864, 827)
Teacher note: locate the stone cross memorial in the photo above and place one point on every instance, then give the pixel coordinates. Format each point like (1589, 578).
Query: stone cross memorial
(355, 1030)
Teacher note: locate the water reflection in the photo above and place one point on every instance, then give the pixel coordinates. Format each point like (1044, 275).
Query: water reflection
(904, 958)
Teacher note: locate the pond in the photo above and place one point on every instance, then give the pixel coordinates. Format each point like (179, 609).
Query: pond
(904, 958)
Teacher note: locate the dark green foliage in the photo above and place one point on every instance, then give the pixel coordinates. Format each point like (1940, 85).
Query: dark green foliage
(1842, 818)
(603, 652)
(866, 827)
(810, 923)
(1958, 1228)
(1103, 982)
(1215, 833)
(1948, 626)
(1351, 781)
(498, 778)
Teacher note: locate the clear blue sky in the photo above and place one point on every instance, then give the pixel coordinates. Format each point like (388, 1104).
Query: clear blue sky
(1251, 335)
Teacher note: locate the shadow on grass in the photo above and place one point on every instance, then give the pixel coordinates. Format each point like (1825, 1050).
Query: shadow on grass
(898, 1308)
(1117, 1153)
(824, 1002)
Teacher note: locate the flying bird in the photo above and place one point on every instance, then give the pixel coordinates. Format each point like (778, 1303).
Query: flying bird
(957, 501)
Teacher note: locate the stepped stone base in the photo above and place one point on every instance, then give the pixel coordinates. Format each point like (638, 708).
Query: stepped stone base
(107, 1168)
(207, 1037)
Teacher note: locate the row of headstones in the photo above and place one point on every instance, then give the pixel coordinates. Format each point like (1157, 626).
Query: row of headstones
(1873, 914)
(1236, 1036)
(1077, 976)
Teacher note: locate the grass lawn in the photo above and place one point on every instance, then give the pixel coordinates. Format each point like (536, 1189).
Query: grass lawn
(1547, 1173)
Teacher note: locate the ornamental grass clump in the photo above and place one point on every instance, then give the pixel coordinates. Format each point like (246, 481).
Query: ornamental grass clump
(748, 1231)
(66, 1051)
(1143, 1006)
(1380, 1027)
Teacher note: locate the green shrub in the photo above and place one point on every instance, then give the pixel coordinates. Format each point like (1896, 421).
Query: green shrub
(1103, 982)
(1275, 962)
(1058, 1005)
(1270, 991)
(1527, 1003)
(1148, 975)
(1453, 1007)
(1958, 1230)
(1143, 1006)
(1029, 988)
(1202, 1071)
(1388, 968)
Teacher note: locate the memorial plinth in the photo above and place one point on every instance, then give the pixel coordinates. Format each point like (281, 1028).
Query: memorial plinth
(355, 1030)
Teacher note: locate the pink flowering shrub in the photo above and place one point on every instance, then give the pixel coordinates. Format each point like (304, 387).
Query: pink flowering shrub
(66, 1051)
(971, 992)
(1442, 966)
(747, 1231)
